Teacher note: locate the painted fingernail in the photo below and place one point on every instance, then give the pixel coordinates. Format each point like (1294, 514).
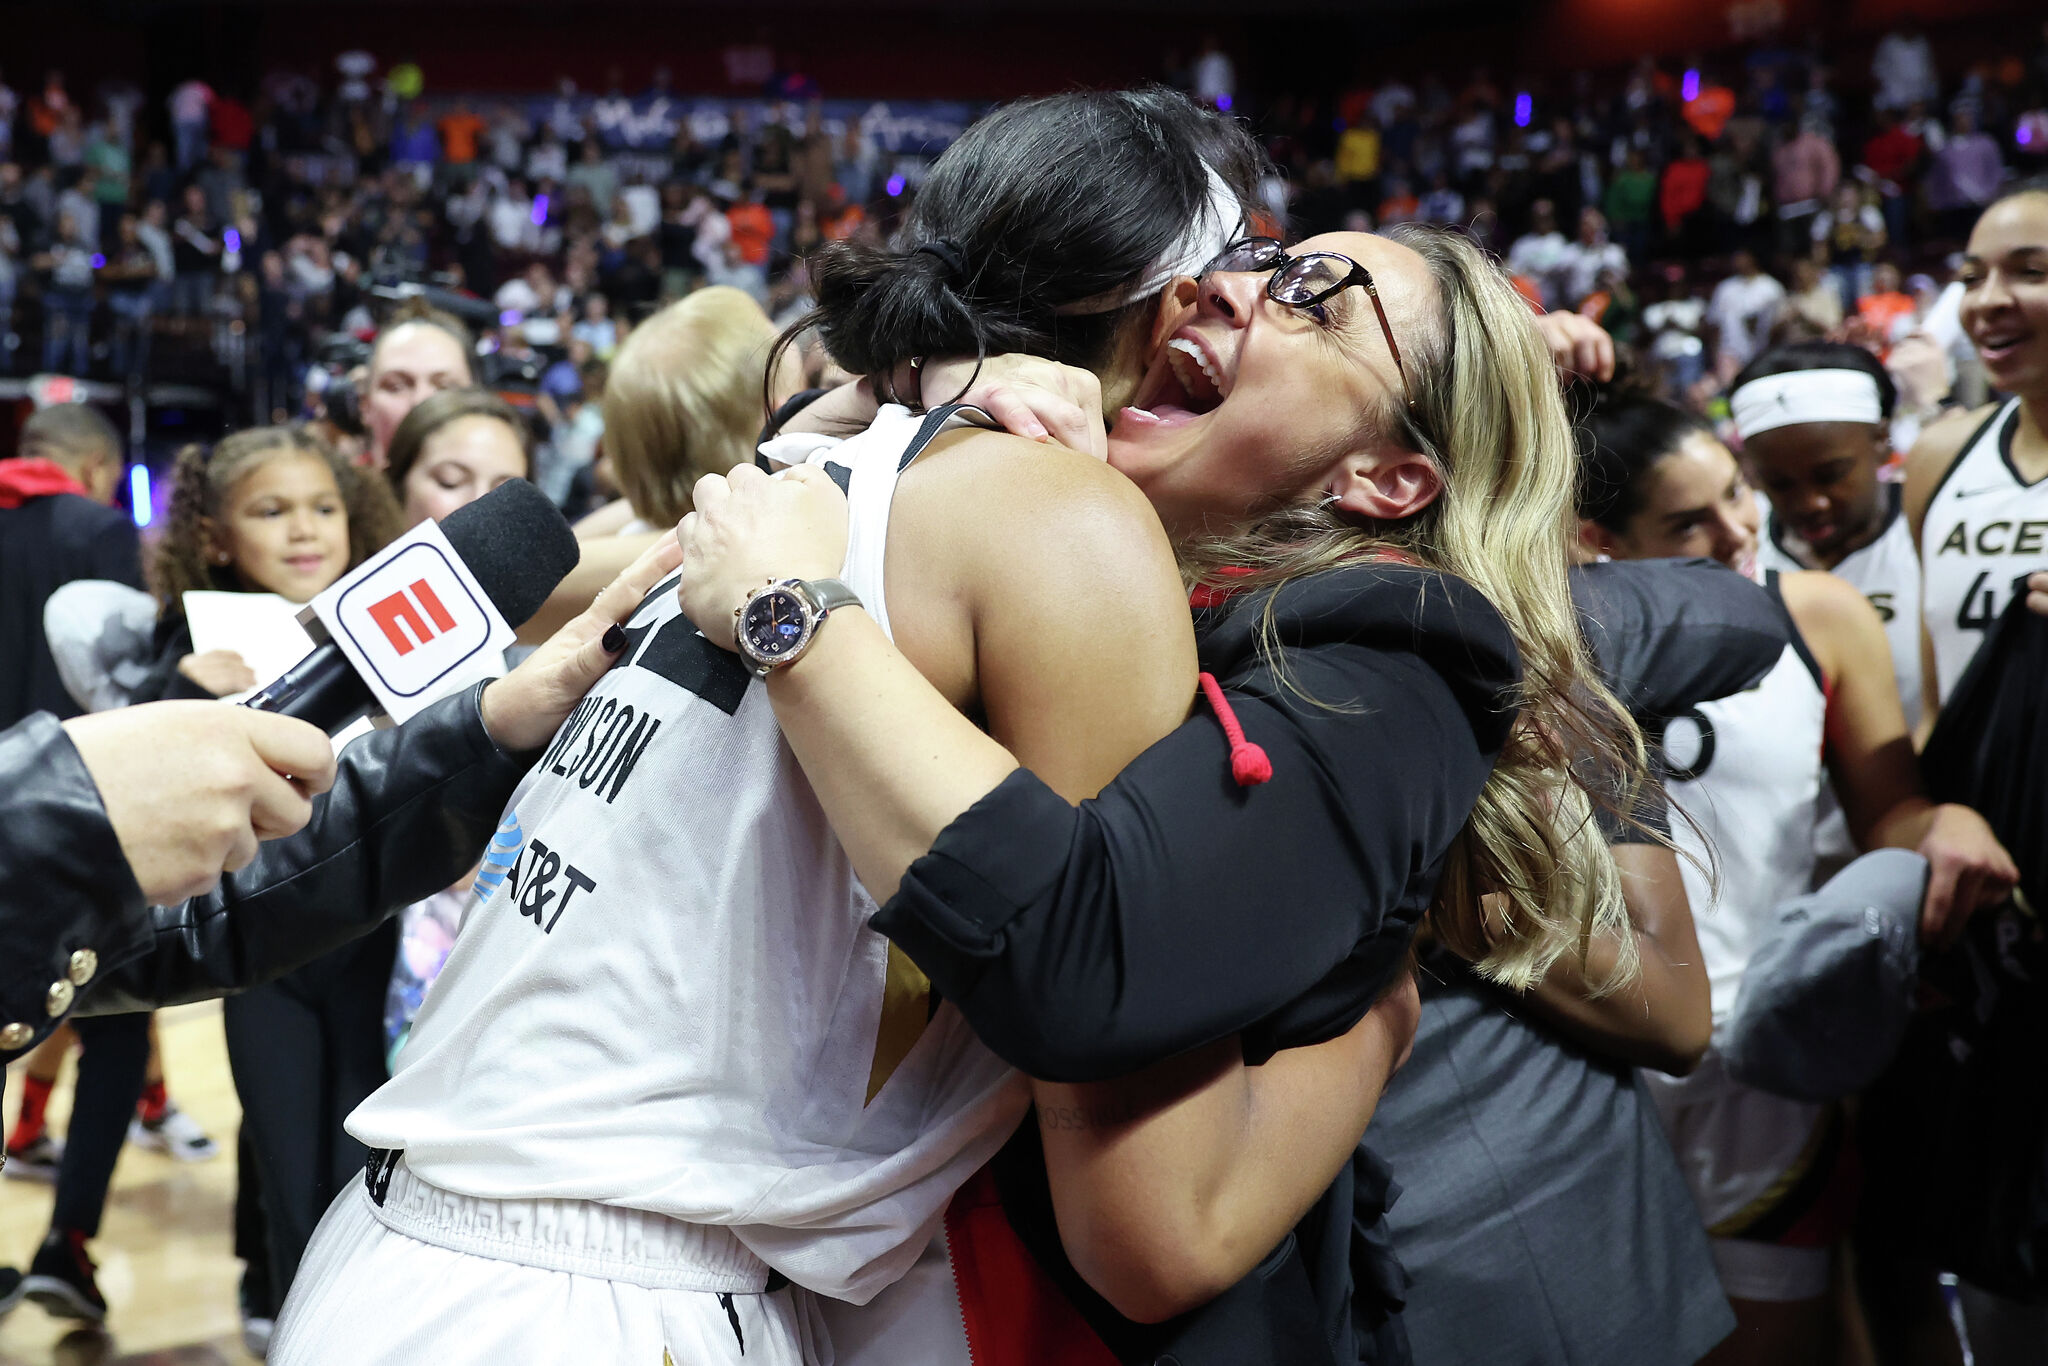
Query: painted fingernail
(614, 638)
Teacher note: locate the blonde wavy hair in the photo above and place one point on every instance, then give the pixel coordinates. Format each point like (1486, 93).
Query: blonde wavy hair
(1530, 878)
(683, 398)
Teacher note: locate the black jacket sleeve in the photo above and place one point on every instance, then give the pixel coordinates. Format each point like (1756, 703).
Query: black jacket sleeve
(65, 886)
(1176, 907)
(410, 811)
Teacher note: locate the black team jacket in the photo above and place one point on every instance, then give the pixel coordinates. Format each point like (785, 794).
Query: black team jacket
(1177, 907)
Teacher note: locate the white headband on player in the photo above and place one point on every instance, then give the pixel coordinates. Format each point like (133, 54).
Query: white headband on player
(1214, 228)
(1801, 396)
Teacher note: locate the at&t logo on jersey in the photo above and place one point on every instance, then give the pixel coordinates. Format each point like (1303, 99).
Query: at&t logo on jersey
(500, 857)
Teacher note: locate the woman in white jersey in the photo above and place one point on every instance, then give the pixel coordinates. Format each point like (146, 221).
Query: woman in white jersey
(1977, 502)
(1745, 775)
(668, 1071)
(1815, 423)
(1977, 482)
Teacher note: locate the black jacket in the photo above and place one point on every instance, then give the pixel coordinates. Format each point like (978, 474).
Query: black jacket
(410, 812)
(46, 543)
(1176, 908)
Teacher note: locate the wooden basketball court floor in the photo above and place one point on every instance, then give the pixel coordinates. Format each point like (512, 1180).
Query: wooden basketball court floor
(165, 1249)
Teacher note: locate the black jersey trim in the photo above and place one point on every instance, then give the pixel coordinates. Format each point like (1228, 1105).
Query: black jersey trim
(2005, 440)
(1962, 454)
(935, 422)
(1776, 589)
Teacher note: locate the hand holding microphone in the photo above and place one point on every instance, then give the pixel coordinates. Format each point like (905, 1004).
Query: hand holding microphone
(191, 787)
(408, 613)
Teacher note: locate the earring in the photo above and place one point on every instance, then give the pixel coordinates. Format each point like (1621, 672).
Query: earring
(220, 557)
(1327, 500)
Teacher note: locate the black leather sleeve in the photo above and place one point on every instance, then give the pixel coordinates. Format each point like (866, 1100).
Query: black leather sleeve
(64, 884)
(411, 811)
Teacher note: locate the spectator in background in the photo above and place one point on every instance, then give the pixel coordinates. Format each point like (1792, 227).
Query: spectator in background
(1215, 75)
(1443, 204)
(1589, 253)
(1965, 175)
(1887, 310)
(597, 329)
(855, 166)
(10, 105)
(67, 298)
(1742, 309)
(1848, 237)
(132, 276)
(1630, 202)
(1400, 205)
(107, 154)
(1903, 68)
(1683, 197)
(1893, 153)
(593, 173)
(1813, 303)
(1805, 171)
(195, 254)
(461, 130)
(1538, 255)
(191, 108)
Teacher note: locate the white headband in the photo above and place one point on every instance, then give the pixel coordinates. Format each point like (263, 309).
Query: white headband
(1801, 396)
(1214, 228)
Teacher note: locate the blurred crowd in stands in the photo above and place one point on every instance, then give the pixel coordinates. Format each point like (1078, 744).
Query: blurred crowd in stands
(1697, 211)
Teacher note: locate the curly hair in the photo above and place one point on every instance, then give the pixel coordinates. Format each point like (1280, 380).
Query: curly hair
(202, 480)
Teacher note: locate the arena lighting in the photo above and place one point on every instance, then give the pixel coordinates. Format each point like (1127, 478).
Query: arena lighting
(1523, 106)
(894, 185)
(1223, 103)
(540, 211)
(99, 262)
(232, 240)
(2024, 136)
(511, 317)
(139, 494)
(1690, 89)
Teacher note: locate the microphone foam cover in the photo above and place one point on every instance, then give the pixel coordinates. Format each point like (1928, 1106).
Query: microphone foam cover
(517, 543)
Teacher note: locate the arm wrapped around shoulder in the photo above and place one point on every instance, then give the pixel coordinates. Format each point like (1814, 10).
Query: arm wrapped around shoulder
(1177, 907)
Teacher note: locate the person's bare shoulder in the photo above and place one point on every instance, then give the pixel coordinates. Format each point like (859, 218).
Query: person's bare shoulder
(1934, 454)
(1010, 504)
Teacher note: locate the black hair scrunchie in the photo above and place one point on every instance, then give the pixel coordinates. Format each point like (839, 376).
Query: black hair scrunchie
(947, 252)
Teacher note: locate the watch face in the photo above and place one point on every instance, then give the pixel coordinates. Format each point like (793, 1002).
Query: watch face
(775, 625)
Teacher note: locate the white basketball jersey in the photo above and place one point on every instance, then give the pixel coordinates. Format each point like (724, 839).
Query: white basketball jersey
(666, 994)
(1984, 532)
(1887, 573)
(1745, 775)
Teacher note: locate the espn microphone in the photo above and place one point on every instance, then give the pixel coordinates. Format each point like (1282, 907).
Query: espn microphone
(515, 544)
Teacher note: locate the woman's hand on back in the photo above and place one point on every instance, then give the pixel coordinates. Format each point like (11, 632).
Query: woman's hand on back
(1038, 399)
(221, 672)
(750, 529)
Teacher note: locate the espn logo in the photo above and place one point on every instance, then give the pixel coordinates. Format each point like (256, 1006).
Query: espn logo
(411, 608)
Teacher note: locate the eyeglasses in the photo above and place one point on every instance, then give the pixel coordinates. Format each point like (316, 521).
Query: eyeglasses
(1306, 281)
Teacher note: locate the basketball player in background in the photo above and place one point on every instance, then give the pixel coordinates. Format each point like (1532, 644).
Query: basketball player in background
(1815, 423)
(1976, 501)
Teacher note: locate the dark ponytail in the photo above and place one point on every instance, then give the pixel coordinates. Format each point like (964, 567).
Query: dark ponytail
(1030, 231)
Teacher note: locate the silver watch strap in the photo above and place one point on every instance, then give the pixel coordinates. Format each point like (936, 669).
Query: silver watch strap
(830, 593)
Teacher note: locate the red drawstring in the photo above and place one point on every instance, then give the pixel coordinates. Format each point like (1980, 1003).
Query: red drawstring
(1248, 763)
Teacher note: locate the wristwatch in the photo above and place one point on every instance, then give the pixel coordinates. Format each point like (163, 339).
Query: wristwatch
(777, 622)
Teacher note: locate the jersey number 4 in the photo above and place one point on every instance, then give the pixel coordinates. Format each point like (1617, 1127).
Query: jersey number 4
(1981, 605)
